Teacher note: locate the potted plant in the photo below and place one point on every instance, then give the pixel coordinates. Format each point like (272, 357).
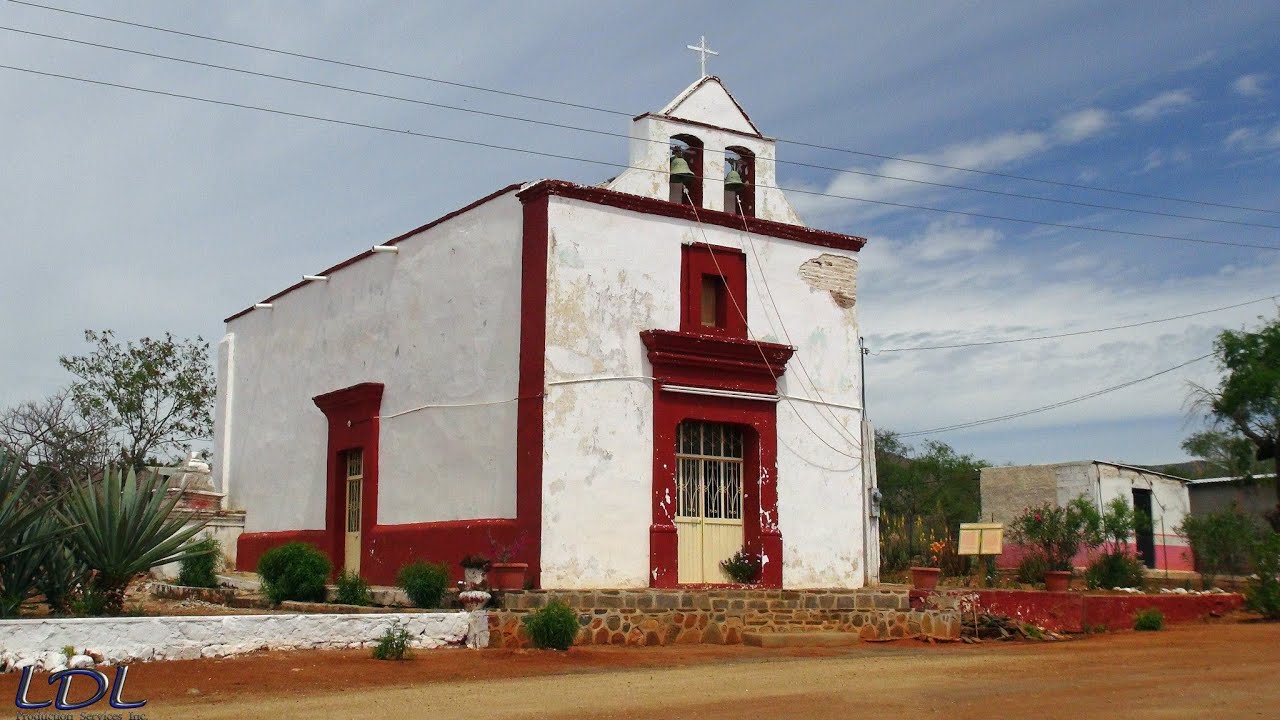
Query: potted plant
(1057, 534)
(474, 568)
(925, 577)
(504, 574)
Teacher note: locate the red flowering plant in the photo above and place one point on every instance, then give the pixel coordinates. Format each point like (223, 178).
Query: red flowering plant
(1057, 533)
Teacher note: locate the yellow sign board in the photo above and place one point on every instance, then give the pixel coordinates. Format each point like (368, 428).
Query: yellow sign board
(981, 538)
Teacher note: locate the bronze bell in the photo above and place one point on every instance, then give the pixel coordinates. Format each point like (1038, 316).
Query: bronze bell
(680, 170)
(733, 181)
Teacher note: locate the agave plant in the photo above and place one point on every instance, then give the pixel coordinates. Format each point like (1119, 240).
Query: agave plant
(20, 572)
(20, 511)
(124, 526)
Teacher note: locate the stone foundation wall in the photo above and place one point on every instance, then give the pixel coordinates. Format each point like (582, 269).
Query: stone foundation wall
(664, 617)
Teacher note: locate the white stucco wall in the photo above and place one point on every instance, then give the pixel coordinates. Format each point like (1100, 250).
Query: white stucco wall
(613, 273)
(1170, 499)
(130, 639)
(438, 324)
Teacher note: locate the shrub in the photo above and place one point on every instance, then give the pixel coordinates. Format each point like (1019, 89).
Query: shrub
(394, 643)
(1150, 619)
(201, 570)
(294, 571)
(743, 567)
(1031, 569)
(1115, 569)
(1221, 542)
(352, 589)
(424, 583)
(1058, 533)
(1263, 594)
(553, 627)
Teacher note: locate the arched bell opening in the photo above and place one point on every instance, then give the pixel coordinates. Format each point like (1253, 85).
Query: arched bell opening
(686, 170)
(739, 181)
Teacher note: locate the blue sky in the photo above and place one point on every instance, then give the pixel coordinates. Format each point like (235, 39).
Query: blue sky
(147, 214)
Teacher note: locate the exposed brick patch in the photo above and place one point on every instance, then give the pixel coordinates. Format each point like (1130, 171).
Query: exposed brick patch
(666, 617)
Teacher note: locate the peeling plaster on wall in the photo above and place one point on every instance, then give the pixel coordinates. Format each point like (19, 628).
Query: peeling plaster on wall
(598, 471)
(835, 274)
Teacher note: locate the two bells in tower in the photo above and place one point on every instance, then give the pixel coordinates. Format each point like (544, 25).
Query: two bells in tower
(682, 173)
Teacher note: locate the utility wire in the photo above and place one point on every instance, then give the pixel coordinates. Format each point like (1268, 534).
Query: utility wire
(594, 108)
(1043, 408)
(607, 133)
(606, 163)
(1078, 332)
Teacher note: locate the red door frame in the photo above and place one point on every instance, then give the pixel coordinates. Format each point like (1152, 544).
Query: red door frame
(353, 423)
(687, 360)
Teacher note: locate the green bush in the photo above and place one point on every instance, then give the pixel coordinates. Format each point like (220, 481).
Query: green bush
(294, 571)
(1058, 533)
(1031, 569)
(553, 627)
(201, 570)
(352, 589)
(1115, 569)
(394, 643)
(1221, 542)
(1150, 619)
(1263, 594)
(424, 583)
(743, 567)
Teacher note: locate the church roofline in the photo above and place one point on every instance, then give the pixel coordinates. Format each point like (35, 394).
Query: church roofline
(699, 123)
(653, 206)
(393, 241)
(675, 102)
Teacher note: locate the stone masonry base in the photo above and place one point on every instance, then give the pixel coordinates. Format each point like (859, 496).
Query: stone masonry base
(721, 616)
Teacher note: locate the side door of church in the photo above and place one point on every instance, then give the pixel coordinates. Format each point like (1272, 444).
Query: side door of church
(354, 484)
(709, 488)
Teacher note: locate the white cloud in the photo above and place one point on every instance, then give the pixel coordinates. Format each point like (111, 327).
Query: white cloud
(1161, 157)
(1083, 124)
(1253, 139)
(1162, 104)
(1249, 85)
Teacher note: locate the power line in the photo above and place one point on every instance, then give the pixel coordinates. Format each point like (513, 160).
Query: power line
(1073, 334)
(595, 108)
(594, 131)
(527, 151)
(1043, 408)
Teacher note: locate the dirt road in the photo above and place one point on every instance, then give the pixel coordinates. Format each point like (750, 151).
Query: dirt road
(1225, 670)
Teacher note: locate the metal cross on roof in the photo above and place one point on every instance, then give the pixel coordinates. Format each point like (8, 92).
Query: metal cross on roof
(703, 51)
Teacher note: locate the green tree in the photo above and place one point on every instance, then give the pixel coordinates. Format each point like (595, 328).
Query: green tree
(155, 394)
(1246, 403)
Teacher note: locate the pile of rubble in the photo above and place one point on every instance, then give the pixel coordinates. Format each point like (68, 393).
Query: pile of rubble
(989, 626)
(51, 661)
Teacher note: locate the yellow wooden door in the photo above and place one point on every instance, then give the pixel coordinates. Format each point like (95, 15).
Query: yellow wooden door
(709, 508)
(355, 485)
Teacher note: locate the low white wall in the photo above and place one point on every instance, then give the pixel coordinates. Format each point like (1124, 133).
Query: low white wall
(132, 639)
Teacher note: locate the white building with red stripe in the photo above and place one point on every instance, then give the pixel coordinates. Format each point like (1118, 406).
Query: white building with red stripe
(623, 384)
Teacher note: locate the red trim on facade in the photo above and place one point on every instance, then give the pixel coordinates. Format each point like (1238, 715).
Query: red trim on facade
(251, 546)
(393, 241)
(533, 348)
(699, 123)
(716, 362)
(352, 413)
(651, 206)
(723, 364)
(699, 260)
(393, 546)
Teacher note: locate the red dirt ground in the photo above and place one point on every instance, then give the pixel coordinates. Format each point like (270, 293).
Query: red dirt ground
(1218, 670)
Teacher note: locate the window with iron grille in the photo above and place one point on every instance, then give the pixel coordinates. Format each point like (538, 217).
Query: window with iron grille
(355, 475)
(709, 470)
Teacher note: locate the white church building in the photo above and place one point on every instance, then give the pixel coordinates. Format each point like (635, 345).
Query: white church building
(621, 384)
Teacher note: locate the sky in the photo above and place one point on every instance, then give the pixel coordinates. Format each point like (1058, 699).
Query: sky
(147, 214)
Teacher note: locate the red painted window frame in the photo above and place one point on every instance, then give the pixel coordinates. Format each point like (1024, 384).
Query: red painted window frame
(729, 264)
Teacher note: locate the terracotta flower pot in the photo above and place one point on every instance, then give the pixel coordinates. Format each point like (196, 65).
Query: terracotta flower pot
(1057, 580)
(508, 576)
(925, 578)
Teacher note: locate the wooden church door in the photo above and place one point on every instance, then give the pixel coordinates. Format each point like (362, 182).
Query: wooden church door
(354, 488)
(709, 509)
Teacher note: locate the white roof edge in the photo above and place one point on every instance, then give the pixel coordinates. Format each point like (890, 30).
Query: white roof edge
(1229, 478)
(1095, 462)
